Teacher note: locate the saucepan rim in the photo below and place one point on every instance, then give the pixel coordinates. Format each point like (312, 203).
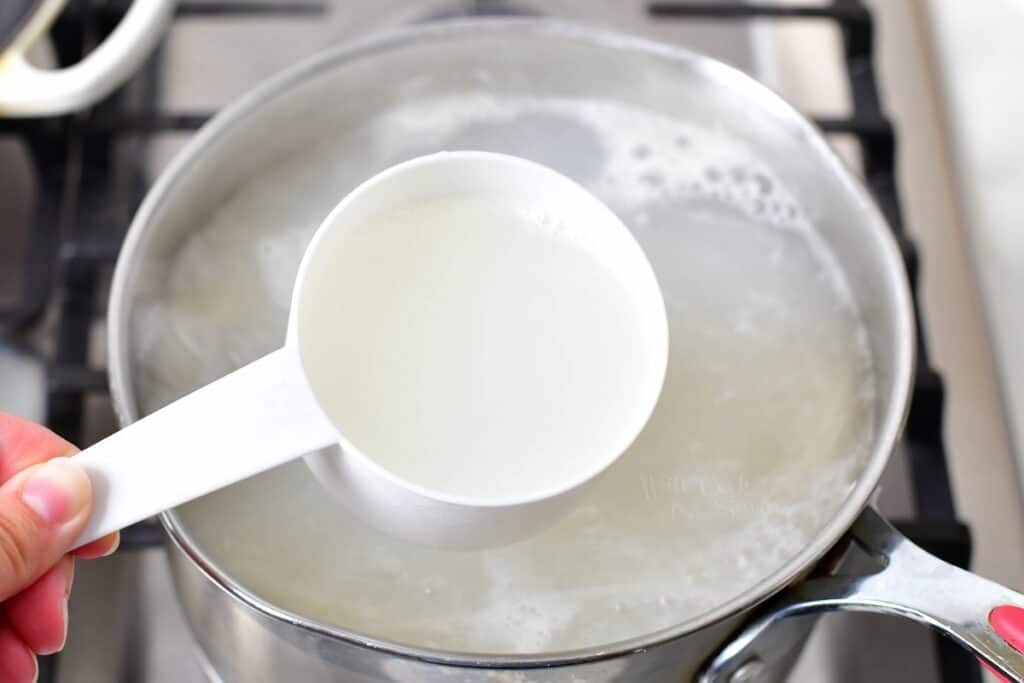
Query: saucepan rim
(875, 228)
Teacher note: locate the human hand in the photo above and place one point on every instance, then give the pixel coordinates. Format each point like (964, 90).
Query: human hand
(45, 499)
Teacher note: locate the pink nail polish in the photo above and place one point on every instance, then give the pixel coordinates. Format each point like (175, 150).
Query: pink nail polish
(56, 490)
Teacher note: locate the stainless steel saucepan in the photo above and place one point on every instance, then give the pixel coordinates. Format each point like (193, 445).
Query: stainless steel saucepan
(256, 179)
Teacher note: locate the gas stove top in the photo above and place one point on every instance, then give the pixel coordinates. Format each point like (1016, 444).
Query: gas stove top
(87, 174)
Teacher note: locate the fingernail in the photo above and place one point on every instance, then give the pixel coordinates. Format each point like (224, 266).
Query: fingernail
(67, 621)
(69, 582)
(114, 546)
(56, 490)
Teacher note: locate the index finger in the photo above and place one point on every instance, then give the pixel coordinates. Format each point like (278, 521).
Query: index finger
(23, 443)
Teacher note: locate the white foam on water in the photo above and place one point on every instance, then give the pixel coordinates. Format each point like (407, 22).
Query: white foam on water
(761, 431)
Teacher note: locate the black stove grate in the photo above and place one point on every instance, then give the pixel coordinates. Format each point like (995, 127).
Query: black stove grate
(86, 197)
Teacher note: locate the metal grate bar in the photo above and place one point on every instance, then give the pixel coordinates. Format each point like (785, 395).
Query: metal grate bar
(863, 127)
(739, 10)
(142, 536)
(76, 378)
(145, 123)
(115, 9)
(242, 8)
(38, 266)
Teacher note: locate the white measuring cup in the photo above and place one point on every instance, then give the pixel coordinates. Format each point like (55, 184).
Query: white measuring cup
(270, 411)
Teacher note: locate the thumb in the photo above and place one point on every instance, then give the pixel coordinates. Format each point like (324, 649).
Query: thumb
(42, 510)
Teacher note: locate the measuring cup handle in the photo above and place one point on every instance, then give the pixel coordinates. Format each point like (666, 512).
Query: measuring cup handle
(249, 421)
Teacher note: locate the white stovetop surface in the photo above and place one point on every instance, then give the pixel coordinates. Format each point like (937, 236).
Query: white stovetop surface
(979, 50)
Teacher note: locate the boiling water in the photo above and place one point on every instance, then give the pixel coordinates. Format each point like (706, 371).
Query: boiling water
(475, 349)
(761, 430)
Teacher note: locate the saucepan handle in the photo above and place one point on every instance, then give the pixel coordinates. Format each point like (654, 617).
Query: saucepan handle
(981, 615)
